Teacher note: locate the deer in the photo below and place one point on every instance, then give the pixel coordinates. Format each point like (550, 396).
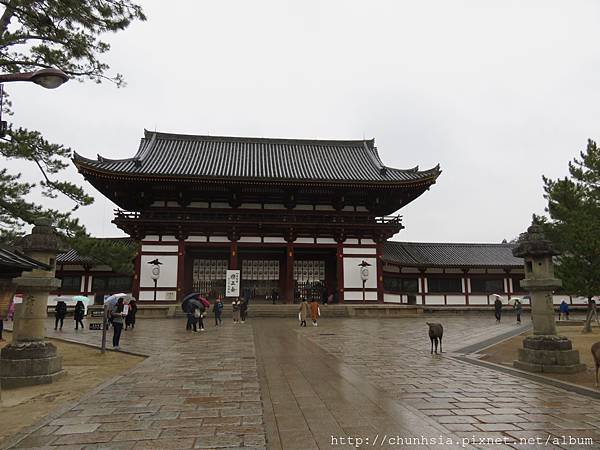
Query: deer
(436, 331)
(596, 355)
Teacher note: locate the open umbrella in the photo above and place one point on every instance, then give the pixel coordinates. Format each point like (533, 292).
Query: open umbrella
(191, 304)
(113, 299)
(80, 298)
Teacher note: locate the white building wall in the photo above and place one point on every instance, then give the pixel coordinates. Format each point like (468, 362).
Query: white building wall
(168, 271)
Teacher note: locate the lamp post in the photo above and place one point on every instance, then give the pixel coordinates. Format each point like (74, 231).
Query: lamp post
(364, 276)
(47, 78)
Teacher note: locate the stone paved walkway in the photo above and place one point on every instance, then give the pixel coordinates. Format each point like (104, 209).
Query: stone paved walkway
(270, 384)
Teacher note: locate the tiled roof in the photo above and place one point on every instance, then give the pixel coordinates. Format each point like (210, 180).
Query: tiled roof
(72, 257)
(425, 254)
(12, 259)
(164, 154)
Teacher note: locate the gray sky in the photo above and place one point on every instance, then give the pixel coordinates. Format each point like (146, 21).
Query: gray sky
(497, 92)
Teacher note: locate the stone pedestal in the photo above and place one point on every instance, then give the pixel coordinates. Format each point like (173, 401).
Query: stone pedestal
(29, 363)
(548, 353)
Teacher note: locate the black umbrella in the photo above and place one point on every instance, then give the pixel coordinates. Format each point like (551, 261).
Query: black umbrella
(191, 295)
(191, 304)
(185, 303)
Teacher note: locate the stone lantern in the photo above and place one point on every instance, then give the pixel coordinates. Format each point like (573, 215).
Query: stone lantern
(545, 351)
(31, 359)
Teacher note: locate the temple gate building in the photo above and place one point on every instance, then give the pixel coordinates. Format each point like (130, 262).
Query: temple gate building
(295, 216)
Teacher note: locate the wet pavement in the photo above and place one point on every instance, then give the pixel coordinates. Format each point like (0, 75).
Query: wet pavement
(349, 383)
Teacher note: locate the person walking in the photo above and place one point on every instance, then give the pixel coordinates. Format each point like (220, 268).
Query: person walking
(79, 314)
(518, 309)
(235, 306)
(498, 309)
(192, 319)
(244, 310)
(563, 311)
(218, 310)
(130, 317)
(315, 312)
(274, 296)
(303, 312)
(116, 313)
(60, 311)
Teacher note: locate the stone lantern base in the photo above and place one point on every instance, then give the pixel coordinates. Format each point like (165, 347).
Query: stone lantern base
(547, 353)
(29, 363)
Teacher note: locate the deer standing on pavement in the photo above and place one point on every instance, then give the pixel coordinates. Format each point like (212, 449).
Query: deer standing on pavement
(436, 331)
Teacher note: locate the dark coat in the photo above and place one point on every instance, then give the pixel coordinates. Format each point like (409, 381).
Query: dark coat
(79, 311)
(60, 310)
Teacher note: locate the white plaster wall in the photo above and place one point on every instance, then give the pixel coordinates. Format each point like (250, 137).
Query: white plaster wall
(580, 301)
(434, 300)
(197, 239)
(478, 300)
(169, 239)
(326, 241)
(304, 241)
(360, 251)
(392, 298)
(159, 248)
(220, 205)
(275, 240)
(456, 300)
(218, 239)
(198, 205)
(151, 238)
(304, 207)
(357, 296)
(324, 208)
(82, 287)
(274, 206)
(168, 271)
(353, 241)
(352, 273)
(160, 295)
(367, 242)
(249, 239)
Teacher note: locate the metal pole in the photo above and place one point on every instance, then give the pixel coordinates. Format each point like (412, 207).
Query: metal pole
(104, 323)
(364, 281)
(155, 284)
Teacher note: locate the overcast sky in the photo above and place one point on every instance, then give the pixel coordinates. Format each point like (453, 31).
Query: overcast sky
(497, 92)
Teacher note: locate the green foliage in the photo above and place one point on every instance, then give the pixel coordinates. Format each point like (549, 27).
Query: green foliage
(574, 222)
(62, 34)
(117, 253)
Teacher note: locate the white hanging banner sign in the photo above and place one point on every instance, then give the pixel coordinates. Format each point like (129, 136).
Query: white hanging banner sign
(232, 283)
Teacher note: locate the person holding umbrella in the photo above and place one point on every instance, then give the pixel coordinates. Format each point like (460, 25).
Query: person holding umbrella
(79, 314)
(116, 313)
(194, 309)
(498, 308)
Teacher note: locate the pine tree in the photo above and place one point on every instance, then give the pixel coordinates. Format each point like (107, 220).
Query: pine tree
(574, 224)
(66, 35)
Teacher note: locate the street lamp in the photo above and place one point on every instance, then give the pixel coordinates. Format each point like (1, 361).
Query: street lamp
(47, 78)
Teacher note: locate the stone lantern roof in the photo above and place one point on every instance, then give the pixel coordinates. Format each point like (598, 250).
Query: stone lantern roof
(535, 244)
(43, 238)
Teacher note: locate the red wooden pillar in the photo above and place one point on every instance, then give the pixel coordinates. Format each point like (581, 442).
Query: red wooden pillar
(289, 274)
(135, 288)
(379, 272)
(180, 269)
(422, 277)
(233, 255)
(339, 259)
